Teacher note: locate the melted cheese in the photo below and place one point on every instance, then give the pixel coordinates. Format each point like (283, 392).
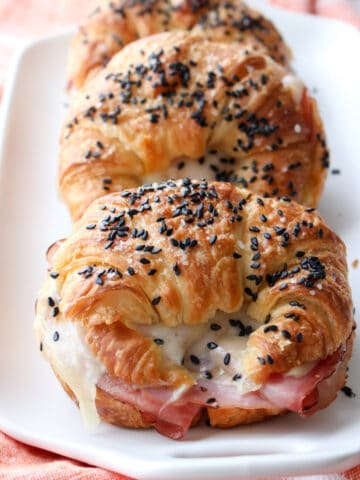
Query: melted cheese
(193, 168)
(301, 371)
(295, 85)
(208, 347)
(70, 356)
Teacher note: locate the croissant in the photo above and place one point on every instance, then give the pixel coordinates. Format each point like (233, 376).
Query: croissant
(112, 25)
(173, 105)
(177, 298)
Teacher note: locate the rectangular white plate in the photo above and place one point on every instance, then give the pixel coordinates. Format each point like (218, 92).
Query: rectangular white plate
(33, 407)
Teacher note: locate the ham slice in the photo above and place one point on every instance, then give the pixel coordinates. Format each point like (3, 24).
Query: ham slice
(301, 395)
(173, 412)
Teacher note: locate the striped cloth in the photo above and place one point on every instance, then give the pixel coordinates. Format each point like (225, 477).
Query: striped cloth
(23, 20)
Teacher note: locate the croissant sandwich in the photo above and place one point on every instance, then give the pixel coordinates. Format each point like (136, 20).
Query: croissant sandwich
(113, 25)
(185, 298)
(175, 105)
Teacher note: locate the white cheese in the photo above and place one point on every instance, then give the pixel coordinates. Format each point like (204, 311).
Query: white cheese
(217, 347)
(64, 345)
(295, 85)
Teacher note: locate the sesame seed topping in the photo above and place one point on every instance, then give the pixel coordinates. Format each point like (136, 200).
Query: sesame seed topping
(348, 392)
(155, 300)
(213, 239)
(269, 359)
(56, 336)
(271, 328)
(215, 327)
(211, 400)
(176, 269)
(227, 359)
(286, 334)
(261, 360)
(195, 360)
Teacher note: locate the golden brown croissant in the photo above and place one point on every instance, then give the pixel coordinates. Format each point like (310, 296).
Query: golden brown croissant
(178, 296)
(174, 105)
(112, 25)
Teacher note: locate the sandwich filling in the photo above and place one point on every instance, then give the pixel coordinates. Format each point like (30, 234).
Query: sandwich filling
(212, 352)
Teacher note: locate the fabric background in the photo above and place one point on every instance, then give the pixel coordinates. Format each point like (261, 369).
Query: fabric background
(21, 21)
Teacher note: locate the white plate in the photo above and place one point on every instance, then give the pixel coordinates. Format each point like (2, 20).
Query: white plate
(33, 407)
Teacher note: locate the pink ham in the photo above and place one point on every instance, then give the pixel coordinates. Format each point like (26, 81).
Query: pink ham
(301, 395)
(172, 415)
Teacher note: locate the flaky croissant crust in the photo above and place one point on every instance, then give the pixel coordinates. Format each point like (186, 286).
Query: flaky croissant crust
(210, 247)
(112, 25)
(178, 96)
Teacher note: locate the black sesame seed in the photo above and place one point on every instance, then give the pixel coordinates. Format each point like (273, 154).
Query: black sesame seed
(267, 318)
(211, 400)
(56, 336)
(271, 328)
(299, 254)
(213, 239)
(91, 226)
(227, 359)
(155, 301)
(55, 311)
(208, 375)
(261, 360)
(215, 327)
(144, 261)
(348, 392)
(236, 255)
(54, 275)
(237, 376)
(176, 269)
(269, 359)
(51, 302)
(299, 337)
(212, 345)
(286, 334)
(152, 272)
(159, 341)
(131, 271)
(195, 360)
